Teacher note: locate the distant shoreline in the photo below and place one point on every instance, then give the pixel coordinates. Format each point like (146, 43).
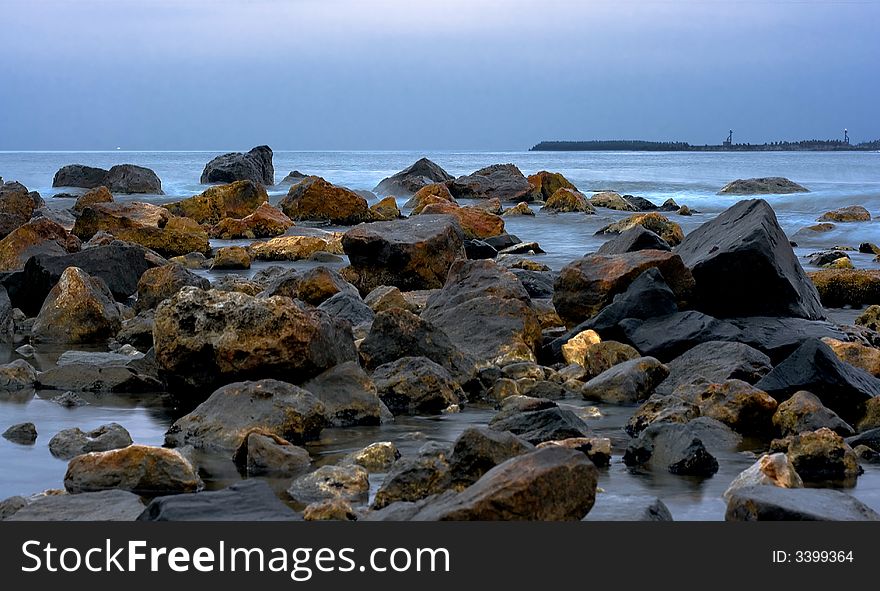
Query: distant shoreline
(648, 146)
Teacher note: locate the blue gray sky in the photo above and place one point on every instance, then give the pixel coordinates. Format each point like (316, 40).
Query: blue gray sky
(447, 74)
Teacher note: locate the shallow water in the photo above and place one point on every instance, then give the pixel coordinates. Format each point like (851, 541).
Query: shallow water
(835, 180)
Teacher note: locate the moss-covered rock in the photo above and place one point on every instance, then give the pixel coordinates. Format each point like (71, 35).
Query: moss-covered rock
(851, 213)
(545, 184)
(568, 200)
(847, 287)
(235, 200)
(658, 223)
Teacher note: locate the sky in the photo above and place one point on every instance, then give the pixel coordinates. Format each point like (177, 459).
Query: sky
(441, 75)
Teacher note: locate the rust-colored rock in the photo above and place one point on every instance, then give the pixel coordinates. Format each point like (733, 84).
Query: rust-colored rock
(235, 200)
(265, 222)
(38, 236)
(318, 200)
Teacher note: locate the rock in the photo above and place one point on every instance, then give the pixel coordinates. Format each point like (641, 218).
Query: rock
(805, 412)
(610, 507)
(478, 449)
(667, 337)
(871, 418)
(140, 469)
(255, 166)
(92, 196)
(385, 210)
(521, 208)
(410, 254)
(108, 505)
(349, 306)
(330, 510)
(128, 178)
(861, 356)
(22, 433)
(598, 449)
(231, 257)
(70, 443)
(827, 258)
(39, 236)
(79, 175)
(432, 193)
(145, 224)
(869, 438)
(261, 454)
(819, 456)
(238, 200)
(771, 503)
(626, 383)
(502, 181)
(376, 457)
(737, 404)
(79, 309)
(769, 470)
(416, 385)
(673, 447)
(17, 375)
(11, 506)
(779, 337)
(851, 213)
(715, 362)
(601, 357)
(632, 239)
(318, 200)
(568, 200)
(847, 287)
(295, 248)
(762, 186)
(529, 248)
(662, 409)
(669, 232)
(248, 500)
(350, 483)
(386, 297)
(101, 375)
(313, 286)
(348, 394)
(641, 203)
(17, 206)
(487, 312)
(265, 222)
(160, 283)
(538, 284)
(575, 349)
(70, 400)
(273, 408)
(292, 177)
(611, 200)
(743, 265)
(546, 184)
(869, 248)
(7, 320)
(684, 210)
(814, 367)
(476, 223)
(540, 425)
(207, 338)
(411, 179)
(415, 478)
(588, 284)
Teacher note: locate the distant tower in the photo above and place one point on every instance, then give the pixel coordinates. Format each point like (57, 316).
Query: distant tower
(846, 136)
(729, 141)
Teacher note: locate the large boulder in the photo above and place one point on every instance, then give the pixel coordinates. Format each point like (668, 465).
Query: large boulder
(315, 199)
(820, 456)
(740, 406)
(773, 503)
(70, 443)
(612, 200)
(39, 236)
(479, 449)
(265, 222)
(100, 195)
(410, 254)
(249, 500)
(79, 309)
(17, 205)
(538, 421)
(588, 284)
(486, 311)
(160, 283)
(626, 383)
(235, 200)
(207, 338)
(145, 224)
(743, 265)
(79, 175)
(814, 367)
(313, 286)
(674, 447)
(774, 185)
(567, 200)
(256, 165)
(714, 362)
(297, 247)
(433, 193)
(545, 184)
(412, 479)
(805, 412)
(476, 222)
(411, 179)
(128, 178)
(502, 181)
(268, 407)
(847, 287)
(141, 469)
(265, 454)
(632, 239)
(416, 385)
(348, 394)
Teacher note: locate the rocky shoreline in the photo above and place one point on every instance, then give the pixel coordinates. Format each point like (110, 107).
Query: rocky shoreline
(714, 341)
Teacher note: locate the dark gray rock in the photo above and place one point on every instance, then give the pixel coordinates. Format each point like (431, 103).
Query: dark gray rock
(678, 448)
(538, 426)
(870, 438)
(538, 284)
(416, 385)
(348, 306)
(270, 455)
(10, 506)
(479, 449)
(773, 503)
(128, 178)
(715, 362)
(412, 479)
(502, 181)
(250, 500)
(636, 238)
(79, 175)
(611, 507)
(477, 249)
(108, 505)
(412, 178)
(70, 443)
(255, 165)
(22, 433)
(348, 394)
(667, 337)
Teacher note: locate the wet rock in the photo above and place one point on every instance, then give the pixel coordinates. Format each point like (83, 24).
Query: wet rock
(348, 306)
(869, 248)
(771, 503)
(98, 195)
(673, 447)
(587, 285)
(348, 394)
(7, 319)
(416, 385)
(376, 457)
(568, 200)
(350, 483)
(78, 175)
(129, 178)
(17, 205)
(545, 184)
(410, 254)
(598, 449)
(70, 400)
(814, 367)
(871, 418)
(261, 454)
(235, 200)
(769, 470)
(103, 374)
(612, 200)
(779, 337)
(479, 449)
(847, 287)
(743, 265)
(140, 469)
(739, 405)
(521, 208)
(255, 165)
(411, 479)
(265, 222)
(231, 413)
(17, 375)
(632, 239)
(432, 193)
(330, 510)
(477, 249)
(386, 297)
(39, 236)
(79, 309)
(641, 203)
(610, 507)
(668, 231)
(295, 248)
(231, 257)
(70, 443)
(538, 284)
(870, 438)
(248, 500)
(411, 179)
(819, 456)
(313, 286)
(540, 425)
(160, 283)
(626, 383)
(206, 338)
(715, 362)
(22, 433)
(827, 258)
(502, 181)
(851, 213)
(476, 223)
(385, 210)
(762, 186)
(864, 357)
(108, 505)
(662, 409)
(318, 200)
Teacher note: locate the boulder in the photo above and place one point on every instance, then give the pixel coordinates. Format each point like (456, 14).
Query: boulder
(479, 449)
(235, 200)
(542, 424)
(416, 385)
(229, 415)
(612, 200)
(600, 357)
(588, 284)
(107, 505)
(345, 305)
(21, 433)
(762, 186)
(504, 181)
(433, 193)
(79, 175)
(820, 456)
(772, 503)
(145, 224)
(546, 184)
(805, 412)
(643, 204)
(17, 375)
(376, 457)
(39, 236)
(632, 239)
(231, 258)
(662, 409)
(871, 418)
(315, 199)
(140, 469)
(70, 443)
(386, 297)
(715, 362)
(740, 406)
(248, 500)
(348, 394)
(102, 373)
(98, 195)
(313, 286)
(79, 309)
(294, 176)
(677, 448)
(349, 482)
(521, 208)
(385, 210)
(295, 248)
(17, 206)
(769, 470)
(814, 367)
(7, 322)
(861, 356)
(538, 284)
(611, 507)
(851, 213)
(160, 283)
(265, 222)
(847, 287)
(568, 200)
(128, 178)
(207, 338)
(261, 454)
(626, 383)
(476, 223)
(255, 166)
(669, 232)
(411, 179)
(330, 510)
